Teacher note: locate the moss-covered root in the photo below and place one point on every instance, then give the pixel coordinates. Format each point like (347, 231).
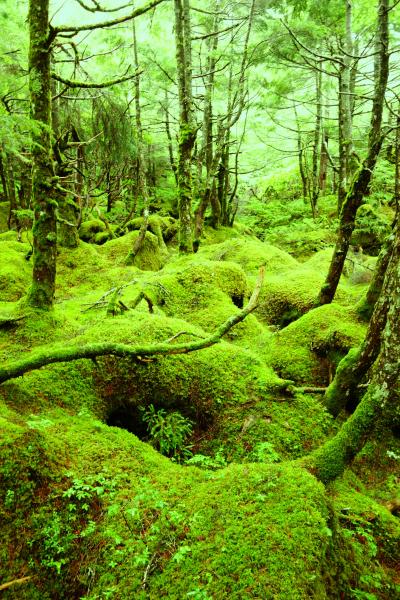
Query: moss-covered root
(344, 383)
(328, 462)
(383, 394)
(353, 368)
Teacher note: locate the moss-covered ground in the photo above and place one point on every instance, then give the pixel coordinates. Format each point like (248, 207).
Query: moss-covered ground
(92, 510)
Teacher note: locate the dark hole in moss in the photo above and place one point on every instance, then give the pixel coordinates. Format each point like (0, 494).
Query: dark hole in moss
(238, 300)
(128, 417)
(289, 316)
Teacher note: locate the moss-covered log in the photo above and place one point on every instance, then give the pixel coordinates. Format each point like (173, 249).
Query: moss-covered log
(92, 351)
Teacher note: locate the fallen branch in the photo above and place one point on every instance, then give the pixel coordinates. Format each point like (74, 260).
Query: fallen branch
(5, 586)
(92, 351)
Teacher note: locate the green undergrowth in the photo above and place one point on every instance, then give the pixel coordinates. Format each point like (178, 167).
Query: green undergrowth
(96, 513)
(117, 520)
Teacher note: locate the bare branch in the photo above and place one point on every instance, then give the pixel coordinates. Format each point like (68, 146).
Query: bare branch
(82, 84)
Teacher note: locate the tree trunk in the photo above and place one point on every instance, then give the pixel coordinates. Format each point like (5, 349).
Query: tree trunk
(41, 293)
(142, 179)
(361, 182)
(316, 145)
(354, 367)
(382, 397)
(187, 128)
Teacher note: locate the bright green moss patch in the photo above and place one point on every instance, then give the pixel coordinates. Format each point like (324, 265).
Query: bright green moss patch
(15, 270)
(309, 349)
(250, 254)
(151, 256)
(113, 504)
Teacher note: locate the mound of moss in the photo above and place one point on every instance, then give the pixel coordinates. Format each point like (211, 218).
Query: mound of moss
(111, 517)
(15, 270)
(309, 349)
(250, 254)
(151, 256)
(89, 229)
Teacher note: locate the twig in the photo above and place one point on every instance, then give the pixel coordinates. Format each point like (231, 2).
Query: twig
(174, 337)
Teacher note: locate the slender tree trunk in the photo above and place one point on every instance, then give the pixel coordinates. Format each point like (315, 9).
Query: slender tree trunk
(41, 293)
(300, 154)
(187, 128)
(316, 145)
(361, 182)
(142, 179)
(169, 138)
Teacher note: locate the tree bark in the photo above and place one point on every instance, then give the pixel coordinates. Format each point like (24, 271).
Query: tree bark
(187, 127)
(382, 397)
(41, 293)
(362, 179)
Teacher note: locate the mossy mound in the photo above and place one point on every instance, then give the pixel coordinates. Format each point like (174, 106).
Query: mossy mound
(151, 257)
(89, 229)
(95, 518)
(198, 384)
(309, 349)
(250, 254)
(373, 534)
(15, 270)
(164, 228)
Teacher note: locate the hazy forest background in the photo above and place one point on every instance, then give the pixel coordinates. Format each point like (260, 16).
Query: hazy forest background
(199, 299)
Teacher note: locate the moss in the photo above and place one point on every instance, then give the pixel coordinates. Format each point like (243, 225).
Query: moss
(149, 258)
(309, 349)
(88, 229)
(164, 228)
(250, 254)
(4, 210)
(101, 237)
(371, 229)
(189, 523)
(15, 270)
(373, 533)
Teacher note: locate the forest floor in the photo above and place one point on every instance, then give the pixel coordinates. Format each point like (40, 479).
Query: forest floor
(90, 508)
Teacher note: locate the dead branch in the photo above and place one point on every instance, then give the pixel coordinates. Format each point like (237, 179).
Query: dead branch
(42, 358)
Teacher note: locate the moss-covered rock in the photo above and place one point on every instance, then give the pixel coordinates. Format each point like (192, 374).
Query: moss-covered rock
(89, 229)
(151, 257)
(309, 349)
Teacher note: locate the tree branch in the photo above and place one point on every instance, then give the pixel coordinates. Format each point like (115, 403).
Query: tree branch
(76, 29)
(82, 84)
(50, 356)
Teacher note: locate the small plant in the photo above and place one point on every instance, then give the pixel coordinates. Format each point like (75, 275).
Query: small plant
(208, 462)
(264, 452)
(168, 432)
